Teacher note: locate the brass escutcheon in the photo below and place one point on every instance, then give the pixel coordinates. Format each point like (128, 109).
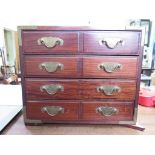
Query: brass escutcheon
(110, 66)
(52, 110)
(108, 89)
(52, 89)
(107, 111)
(51, 66)
(111, 42)
(50, 42)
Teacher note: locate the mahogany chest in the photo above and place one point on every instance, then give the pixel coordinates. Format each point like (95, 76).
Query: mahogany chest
(80, 74)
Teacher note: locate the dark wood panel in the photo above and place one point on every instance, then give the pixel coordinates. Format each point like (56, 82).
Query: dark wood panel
(91, 67)
(34, 110)
(94, 43)
(89, 89)
(124, 113)
(30, 42)
(69, 69)
(33, 90)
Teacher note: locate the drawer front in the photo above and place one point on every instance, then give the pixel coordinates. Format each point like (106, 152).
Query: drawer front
(49, 42)
(108, 89)
(107, 111)
(110, 67)
(57, 110)
(51, 66)
(112, 42)
(38, 89)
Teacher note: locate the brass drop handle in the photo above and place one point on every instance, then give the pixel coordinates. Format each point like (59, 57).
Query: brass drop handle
(107, 111)
(111, 42)
(109, 89)
(52, 89)
(50, 42)
(51, 66)
(52, 110)
(110, 67)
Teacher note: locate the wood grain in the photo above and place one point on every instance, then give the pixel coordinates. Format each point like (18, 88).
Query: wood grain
(69, 70)
(129, 47)
(30, 44)
(33, 91)
(91, 70)
(89, 89)
(70, 110)
(125, 111)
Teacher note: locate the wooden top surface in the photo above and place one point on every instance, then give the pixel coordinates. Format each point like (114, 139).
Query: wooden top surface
(77, 28)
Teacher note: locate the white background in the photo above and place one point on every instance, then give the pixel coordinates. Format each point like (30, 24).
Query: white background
(70, 12)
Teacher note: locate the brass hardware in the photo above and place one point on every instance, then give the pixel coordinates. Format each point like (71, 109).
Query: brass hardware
(52, 89)
(51, 66)
(110, 66)
(30, 121)
(107, 111)
(20, 28)
(50, 42)
(111, 42)
(108, 90)
(53, 110)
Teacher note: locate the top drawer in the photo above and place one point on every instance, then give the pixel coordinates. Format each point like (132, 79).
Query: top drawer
(49, 42)
(112, 42)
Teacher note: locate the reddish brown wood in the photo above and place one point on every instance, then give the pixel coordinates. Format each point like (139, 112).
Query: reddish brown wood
(30, 42)
(33, 91)
(79, 54)
(70, 68)
(129, 47)
(125, 111)
(70, 110)
(89, 89)
(91, 70)
(74, 28)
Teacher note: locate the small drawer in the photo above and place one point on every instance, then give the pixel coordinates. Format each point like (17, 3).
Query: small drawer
(57, 110)
(49, 42)
(39, 89)
(112, 42)
(108, 89)
(51, 66)
(107, 111)
(110, 67)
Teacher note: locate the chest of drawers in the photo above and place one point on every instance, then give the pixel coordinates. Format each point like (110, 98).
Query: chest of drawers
(80, 74)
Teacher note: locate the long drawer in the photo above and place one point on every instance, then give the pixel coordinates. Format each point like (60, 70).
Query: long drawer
(80, 89)
(81, 66)
(57, 110)
(107, 111)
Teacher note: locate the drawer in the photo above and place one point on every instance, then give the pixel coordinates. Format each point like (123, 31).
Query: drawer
(112, 42)
(39, 89)
(107, 111)
(51, 66)
(110, 67)
(57, 110)
(108, 89)
(49, 42)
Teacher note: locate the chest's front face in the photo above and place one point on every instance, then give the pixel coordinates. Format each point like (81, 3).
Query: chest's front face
(80, 75)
